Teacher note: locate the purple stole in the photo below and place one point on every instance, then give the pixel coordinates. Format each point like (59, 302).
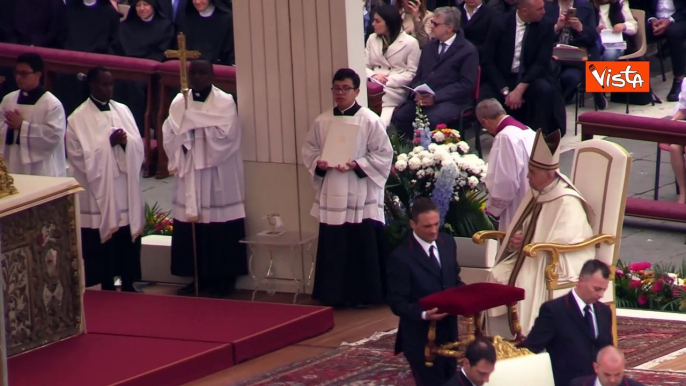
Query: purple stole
(509, 121)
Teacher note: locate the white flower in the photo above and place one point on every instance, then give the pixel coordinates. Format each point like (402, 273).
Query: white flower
(417, 149)
(439, 137)
(428, 184)
(414, 163)
(421, 174)
(401, 165)
(463, 146)
(429, 171)
(679, 282)
(424, 153)
(402, 157)
(447, 161)
(433, 147)
(473, 182)
(672, 276)
(427, 162)
(452, 147)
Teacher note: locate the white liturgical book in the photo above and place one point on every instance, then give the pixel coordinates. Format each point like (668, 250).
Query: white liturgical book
(340, 142)
(421, 89)
(612, 40)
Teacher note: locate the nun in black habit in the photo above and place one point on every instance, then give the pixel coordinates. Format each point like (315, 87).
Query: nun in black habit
(208, 26)
(91, 27)
(146, 34)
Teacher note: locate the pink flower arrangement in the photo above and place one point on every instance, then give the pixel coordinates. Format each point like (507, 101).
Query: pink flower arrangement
(644, 285)
(642, 266)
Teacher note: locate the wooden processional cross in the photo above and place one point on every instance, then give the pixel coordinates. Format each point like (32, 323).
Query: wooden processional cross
(183, 55)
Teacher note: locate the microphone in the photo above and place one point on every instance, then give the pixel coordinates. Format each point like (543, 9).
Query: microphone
(81, 77)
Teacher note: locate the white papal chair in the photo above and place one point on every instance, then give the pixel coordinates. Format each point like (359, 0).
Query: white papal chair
(523, 370)
(600, 172)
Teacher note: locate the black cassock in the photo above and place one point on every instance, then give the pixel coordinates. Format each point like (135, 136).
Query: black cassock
(350, 269)
(144, 40)
(89, 29)
(212, 35)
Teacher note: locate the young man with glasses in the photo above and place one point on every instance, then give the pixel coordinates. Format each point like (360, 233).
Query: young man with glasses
(349, 201)
(32, 124)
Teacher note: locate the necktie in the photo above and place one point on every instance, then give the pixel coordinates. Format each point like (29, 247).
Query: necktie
(520, 73)
(589, 319)
(175, 6)
(432, 255)
(442, 50)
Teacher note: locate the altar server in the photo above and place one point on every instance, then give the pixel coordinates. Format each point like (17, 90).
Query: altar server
(106, 154)
(553, 211)
(349, 201)
(203, 143)
(32, 124)
(508, 161)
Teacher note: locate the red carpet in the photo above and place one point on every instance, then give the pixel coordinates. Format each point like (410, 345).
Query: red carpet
(252, 328)
(99, 360)
(144, 340)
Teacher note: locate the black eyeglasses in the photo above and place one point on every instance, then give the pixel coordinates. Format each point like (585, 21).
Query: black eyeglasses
(342, 90)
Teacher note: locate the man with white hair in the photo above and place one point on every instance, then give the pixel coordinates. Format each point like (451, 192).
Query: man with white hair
(609, 369)
(553, 211)
(507, 162)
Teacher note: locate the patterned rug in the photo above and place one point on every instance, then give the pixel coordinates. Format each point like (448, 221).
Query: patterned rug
(373, 363)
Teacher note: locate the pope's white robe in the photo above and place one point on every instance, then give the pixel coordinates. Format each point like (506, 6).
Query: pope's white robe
(344, 197)
(113, 197)
(563, 219)
(40, 147)
(508, 166)
(208, 181)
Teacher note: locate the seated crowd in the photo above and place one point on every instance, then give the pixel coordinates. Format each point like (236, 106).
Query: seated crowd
(507, 50)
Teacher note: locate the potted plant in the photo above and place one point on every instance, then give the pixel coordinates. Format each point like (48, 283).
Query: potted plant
(157, 221)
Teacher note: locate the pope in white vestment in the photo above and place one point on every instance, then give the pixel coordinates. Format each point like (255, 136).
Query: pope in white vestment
(552, 211)
(349, 201)
(33, 124)
(203, 143)
(106, 154)
(508, 160)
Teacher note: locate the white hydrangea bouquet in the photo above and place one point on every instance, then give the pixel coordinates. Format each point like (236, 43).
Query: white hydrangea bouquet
(440, 166)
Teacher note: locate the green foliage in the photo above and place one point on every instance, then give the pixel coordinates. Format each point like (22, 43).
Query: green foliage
(157, 221)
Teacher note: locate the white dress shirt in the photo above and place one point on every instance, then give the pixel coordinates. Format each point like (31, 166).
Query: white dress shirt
(665, 9)
(470, 16)
(465, 374)
(597, 382)
(519, 37)
(447, 43)
(582, 305)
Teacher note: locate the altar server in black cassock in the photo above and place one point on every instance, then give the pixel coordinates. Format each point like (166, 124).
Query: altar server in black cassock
(91, 27)
(146, 34)
(208, 25)
(203, 144)
(349, 202)
(106, 154)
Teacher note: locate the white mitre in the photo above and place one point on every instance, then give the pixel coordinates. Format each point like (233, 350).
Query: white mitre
(546, 151)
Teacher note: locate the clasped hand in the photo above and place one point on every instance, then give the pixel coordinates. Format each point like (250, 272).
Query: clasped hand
(516, 240)
(118, 137)
(14, 119)
(659, 26)
(324, 165)
(424, 99)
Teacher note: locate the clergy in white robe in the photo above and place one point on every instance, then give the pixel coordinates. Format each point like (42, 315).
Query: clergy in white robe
(106, 154)
(349, 202)
(203, 143)
(508, 160)
(553, 211)
(33, 124)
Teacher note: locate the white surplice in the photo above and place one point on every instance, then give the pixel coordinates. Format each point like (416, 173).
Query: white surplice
(344, 197)
(508, 166)
(563, 219)
(208, 179)
(113, 197)
(40, 150)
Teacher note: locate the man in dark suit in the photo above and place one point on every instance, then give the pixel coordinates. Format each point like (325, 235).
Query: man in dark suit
(477, 365)
(424, 264)
(574, 327)
(449, 65)
(578, 30)
(174, 10)
(517, 68)
(609, 369)
(502, 6)
(667, 19)
(476, 21)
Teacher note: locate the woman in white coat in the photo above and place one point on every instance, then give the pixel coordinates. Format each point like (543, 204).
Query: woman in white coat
(392, 58)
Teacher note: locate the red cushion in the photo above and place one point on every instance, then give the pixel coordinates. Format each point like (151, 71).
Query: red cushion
(374, 88)
(82, 58)
(666, 210)
(646, 124)
(469, 299)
